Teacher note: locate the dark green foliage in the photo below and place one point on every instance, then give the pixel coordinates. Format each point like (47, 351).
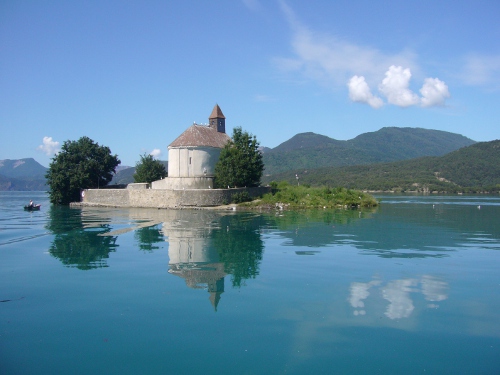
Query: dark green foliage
(309, 150)
(240, 162)
(471, 169)
(149, 169)
(81, 164)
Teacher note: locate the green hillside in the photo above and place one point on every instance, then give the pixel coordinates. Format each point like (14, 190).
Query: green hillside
(309, 150)
(469, 169)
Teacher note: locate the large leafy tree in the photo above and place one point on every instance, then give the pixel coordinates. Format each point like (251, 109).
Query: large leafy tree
(81, 164)
(148, 169)
(240, 162)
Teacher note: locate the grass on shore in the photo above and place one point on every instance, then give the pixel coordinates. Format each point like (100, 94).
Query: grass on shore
(291, 196)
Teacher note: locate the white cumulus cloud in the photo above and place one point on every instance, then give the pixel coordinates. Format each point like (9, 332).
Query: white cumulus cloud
(332, 61)
(49, 147)
(434, 92)
(360, 92)
(395, 86)
(156, 153)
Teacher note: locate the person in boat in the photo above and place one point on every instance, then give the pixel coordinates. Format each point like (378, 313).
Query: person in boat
(30, 204)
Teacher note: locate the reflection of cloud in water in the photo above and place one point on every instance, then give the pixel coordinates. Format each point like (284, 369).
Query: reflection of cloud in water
(397, 292)
(433, 289)
(359, 292)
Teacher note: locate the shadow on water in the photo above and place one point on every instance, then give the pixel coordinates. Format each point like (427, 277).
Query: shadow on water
(74, 244)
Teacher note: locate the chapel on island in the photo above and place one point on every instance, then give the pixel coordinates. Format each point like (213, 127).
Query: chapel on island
(192, 156)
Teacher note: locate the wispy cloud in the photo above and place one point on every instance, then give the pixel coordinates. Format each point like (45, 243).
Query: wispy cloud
(264, 98)
(335, 62)
(482, 70)
(253, 5)
(49, 147)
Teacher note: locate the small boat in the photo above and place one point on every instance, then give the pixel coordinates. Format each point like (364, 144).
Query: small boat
(35, 207)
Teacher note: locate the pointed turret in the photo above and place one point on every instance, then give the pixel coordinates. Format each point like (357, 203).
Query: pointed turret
(217, 120)
(215, 288)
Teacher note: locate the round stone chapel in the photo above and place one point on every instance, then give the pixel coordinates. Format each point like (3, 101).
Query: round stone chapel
(192, 156)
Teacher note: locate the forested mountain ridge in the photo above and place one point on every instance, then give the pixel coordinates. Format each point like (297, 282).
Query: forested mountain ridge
(310, 150)
(474, 168)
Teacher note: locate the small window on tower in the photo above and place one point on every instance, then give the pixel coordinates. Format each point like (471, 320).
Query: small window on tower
(189, 160)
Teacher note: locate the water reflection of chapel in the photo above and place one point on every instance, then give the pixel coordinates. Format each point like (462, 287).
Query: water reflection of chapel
(191, 256)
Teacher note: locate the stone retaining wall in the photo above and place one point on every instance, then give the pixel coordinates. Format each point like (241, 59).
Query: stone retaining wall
(157, 198)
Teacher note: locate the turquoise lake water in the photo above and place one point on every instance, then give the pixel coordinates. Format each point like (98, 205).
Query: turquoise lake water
(412, 287)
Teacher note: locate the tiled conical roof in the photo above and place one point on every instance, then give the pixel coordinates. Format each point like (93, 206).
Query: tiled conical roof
(201, 135)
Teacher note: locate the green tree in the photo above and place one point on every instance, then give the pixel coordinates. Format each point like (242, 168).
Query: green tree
(81, 164)
(149, 169)
(240, 162)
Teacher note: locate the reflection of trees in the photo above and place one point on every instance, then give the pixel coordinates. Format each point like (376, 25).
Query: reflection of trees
(288, 219)
(147, 237)
(390, 231)
(239, 245)
(314, 228)
(76, 246)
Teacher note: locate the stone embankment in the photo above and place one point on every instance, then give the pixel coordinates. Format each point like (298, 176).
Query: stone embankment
(139, 195)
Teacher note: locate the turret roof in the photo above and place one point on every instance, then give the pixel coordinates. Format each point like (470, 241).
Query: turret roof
(216, 113)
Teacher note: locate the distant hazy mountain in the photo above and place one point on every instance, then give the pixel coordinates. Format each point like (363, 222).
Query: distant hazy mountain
(309, 150)
(28, 175)
(21, 168)
(126, 175)
(122, 167)
(22, 175)
(470, 169)
(123, 176)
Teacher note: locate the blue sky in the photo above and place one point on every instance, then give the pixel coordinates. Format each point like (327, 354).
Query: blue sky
(133, 75)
